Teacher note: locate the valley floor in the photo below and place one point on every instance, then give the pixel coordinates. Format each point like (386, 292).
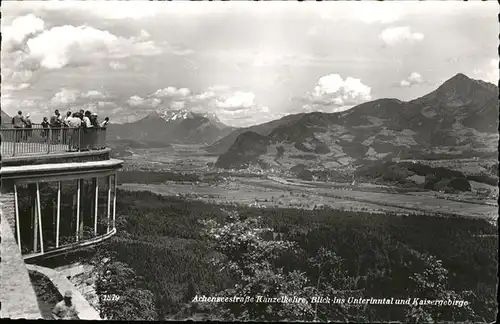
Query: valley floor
(278, 192)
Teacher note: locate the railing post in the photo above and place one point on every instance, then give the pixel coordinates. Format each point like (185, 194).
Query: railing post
(15, 143)
(49, 140)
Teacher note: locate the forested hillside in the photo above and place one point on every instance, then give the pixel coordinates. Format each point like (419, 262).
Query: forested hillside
(173, 249)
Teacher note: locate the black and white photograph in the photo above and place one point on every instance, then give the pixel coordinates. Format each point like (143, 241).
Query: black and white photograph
(312, 161)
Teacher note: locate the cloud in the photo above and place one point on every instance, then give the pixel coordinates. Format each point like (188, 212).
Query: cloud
(139, 102)
(232, 106)
(18, 68)
(236, 101)
(177, 105)
(264, 58)
(28, 49)
(64, 97)
(11, 87)
(63, 45)
(105, 9)
(75, 100)
(335, 94)
(179, 50)
(94, 95)
(115, 65)
(172, 92)
(21, 28)
(396, 35)
(368, 13)
(491, 72)
(413, 79)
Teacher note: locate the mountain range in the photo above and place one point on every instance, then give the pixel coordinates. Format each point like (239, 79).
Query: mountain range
(162, 128)
(458, 119)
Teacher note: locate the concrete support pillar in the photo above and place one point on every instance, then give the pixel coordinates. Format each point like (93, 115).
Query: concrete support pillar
(18, 226)
(114, 201)
(96, 209)
(39, 212)
(78, 190)
(109, 204)
(58, 216)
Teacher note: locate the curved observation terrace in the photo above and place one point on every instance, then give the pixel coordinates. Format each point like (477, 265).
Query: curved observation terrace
(62, 185)
(25, 142)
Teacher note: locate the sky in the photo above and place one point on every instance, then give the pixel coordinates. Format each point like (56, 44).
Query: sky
(246, 62)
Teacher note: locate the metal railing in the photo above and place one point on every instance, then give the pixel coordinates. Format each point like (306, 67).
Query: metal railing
(32, 141)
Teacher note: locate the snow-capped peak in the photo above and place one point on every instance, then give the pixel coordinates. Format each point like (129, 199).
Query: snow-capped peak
(173, 115)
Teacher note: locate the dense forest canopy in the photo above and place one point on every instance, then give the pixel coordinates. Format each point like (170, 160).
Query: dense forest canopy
(174, 250)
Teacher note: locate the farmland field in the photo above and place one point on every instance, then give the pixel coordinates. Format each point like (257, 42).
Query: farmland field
(265, 192)
(274, 190)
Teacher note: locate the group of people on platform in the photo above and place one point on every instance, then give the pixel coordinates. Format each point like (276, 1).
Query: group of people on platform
(61, 130)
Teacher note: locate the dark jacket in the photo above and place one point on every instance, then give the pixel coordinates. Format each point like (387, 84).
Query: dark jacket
(55, 121)
(18, 121)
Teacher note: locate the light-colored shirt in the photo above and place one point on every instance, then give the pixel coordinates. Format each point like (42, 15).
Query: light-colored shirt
(74, 122)
(63, 311)
(87, 122)
(104, 123)
(65, 120)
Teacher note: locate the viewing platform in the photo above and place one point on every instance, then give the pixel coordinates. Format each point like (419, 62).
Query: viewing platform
(63, 185)
(19, 142)
(58, 194)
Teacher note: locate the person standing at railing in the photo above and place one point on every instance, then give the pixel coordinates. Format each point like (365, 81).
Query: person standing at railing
(87, 130)
(94, 131)
(28, 125)
(55, 125)
(93, 120)
(74, 123)
(105, 123)
(65, 131)
(18, 123)
(45, 131)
